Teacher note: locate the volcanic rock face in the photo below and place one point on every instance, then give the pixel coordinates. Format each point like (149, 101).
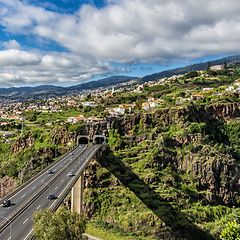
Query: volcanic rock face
(7, 185)
(217, 173)
(22, 143)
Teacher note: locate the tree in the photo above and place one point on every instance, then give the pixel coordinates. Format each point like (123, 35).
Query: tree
(231, 231)
(59, 225)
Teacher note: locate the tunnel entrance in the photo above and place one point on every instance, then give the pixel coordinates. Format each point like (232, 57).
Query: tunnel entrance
(83, 140)
(99, 139)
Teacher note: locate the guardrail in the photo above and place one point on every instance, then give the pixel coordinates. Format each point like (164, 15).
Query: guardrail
(70, 185)
(33, 198)
(34, 177)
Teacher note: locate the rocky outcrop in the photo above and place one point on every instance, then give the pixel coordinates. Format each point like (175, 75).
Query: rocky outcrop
(22, 143)
(62, 136)
(7, 185)
(217, 175)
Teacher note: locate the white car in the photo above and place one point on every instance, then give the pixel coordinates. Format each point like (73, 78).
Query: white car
(70, 174)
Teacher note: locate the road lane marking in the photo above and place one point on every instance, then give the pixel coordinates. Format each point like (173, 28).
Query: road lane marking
(38, 206)
(23, 195)
(33, 187)
(28, 235)
(25, 221)
(56, 187)
(62, 181)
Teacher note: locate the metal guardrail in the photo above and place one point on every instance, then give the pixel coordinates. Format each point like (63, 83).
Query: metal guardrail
(64, 194)
(70, 185)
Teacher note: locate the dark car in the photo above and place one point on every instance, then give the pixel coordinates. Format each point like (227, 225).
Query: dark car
(49, 171)
(51, 197)
(6, 203)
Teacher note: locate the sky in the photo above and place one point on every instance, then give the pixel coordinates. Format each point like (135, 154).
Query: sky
(67, 42)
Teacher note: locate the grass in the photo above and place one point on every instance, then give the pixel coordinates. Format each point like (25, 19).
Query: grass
(108, 235)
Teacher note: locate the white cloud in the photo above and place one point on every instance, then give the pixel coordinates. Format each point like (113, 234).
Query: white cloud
(20, 67)
(11, 44)
(14, 57)
(128, 31)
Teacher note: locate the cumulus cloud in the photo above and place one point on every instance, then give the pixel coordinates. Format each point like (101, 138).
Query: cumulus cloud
(11, 44)
(30, 68)
(128, 31)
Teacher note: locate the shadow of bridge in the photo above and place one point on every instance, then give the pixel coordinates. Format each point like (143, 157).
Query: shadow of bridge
(173, 218)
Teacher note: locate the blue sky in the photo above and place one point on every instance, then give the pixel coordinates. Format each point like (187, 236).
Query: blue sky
(66, 42)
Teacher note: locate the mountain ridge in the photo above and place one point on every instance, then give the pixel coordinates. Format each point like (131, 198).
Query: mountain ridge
(48, 91)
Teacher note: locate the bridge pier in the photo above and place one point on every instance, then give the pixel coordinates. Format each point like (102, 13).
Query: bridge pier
(77, 196)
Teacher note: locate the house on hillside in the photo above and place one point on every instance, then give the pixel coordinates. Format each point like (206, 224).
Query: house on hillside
(217, 67)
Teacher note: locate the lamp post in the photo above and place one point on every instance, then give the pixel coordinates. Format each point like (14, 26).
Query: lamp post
(10, 226)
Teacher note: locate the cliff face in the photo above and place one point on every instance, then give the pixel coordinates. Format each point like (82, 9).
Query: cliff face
(217, 175)
(22, 143)
(217, 172)
(170, 160)
(7, 185)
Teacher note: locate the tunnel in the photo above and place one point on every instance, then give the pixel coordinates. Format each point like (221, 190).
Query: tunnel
(99, 139)
(83, 140)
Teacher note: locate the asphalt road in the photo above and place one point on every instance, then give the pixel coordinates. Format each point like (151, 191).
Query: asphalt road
(22, 225)
(27, 192)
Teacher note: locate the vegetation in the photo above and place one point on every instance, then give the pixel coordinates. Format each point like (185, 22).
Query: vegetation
(231, 231)
(171, 169)
(60, 225)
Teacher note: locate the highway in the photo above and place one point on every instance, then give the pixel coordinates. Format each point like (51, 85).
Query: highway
(33, 197)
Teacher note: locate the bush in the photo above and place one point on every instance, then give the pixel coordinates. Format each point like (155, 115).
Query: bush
(231, 231)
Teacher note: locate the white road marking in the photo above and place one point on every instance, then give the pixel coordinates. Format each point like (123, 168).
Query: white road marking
(38, 206)
(23, 195)
(62, 181)
(33, 187)
(25, 221)
(56, 187)
(28, 235)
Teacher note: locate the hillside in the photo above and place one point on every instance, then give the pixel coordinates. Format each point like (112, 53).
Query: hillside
(50, 91)
(189, 68)
(171, 170)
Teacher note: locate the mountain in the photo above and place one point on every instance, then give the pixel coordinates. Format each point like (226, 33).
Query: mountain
(189, 68)
(105, 82)
(48, 91)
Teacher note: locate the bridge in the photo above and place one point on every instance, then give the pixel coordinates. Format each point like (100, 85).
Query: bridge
(65, 176)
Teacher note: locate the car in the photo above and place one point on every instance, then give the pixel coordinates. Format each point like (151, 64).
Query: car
(6, 203)
(51, 197)
(49, 171)
(70, 174)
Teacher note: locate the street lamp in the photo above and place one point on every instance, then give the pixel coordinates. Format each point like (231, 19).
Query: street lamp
(10, 226)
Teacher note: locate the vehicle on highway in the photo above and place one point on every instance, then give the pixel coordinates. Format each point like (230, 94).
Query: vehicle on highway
(6, 203)
(51, 197)
(70, 174)
(49, 171)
